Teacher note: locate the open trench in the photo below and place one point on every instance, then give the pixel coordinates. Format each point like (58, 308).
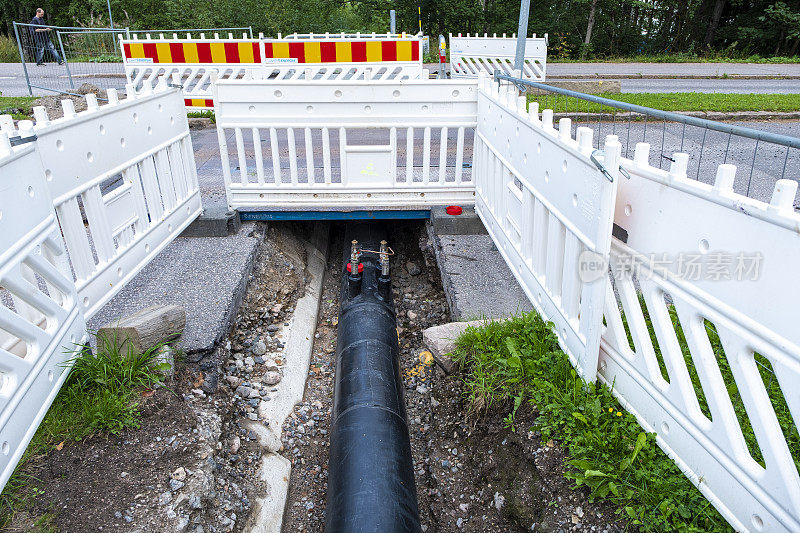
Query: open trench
(471, 472)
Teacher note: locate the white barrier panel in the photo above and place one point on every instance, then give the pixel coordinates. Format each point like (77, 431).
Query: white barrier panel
(716, 377)
(470, 56)
(549, 209)
(189, 62)
(40, 321)
(123, 182)
(342, 58)
(346, 145)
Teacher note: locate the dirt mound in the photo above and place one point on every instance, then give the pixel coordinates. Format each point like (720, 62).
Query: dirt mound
(52, 104)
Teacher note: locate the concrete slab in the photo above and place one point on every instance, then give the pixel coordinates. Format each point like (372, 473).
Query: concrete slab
(206, 276)
(476, 280)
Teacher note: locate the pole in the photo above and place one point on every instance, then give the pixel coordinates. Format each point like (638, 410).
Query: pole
(419, 17)
(22, 58)
(64, 57)
(522, 34)
(392, 27)
(442, 57)
(110, 20)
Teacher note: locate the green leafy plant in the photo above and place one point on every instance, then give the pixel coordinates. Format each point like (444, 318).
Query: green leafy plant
(607, 449)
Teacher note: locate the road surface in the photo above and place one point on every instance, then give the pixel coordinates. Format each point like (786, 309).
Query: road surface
(642, 77)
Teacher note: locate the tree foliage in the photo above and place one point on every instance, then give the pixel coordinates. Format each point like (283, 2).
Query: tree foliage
(736, 28)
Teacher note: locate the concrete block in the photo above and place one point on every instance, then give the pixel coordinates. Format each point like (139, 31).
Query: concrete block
(216, 221)
(467, 223)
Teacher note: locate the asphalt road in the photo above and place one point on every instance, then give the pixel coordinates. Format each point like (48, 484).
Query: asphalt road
(642, 77)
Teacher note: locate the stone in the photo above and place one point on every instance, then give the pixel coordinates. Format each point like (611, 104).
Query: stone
(441, 340)
(273, 327)
(259, 348)
(235, 444)
(146, 328)
(243, 391)
(411, 315)
(195, 502)
(165, 360)
(164, 498)
(174, 484)
(499, 501)
(271, 378)
(413, 268)
(249, 361)
(179, 474)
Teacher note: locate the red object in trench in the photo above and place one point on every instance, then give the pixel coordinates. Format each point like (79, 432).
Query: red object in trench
(360, 268)
(453, 210)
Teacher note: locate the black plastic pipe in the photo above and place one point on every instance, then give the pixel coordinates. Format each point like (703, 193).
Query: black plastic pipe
(370, 470)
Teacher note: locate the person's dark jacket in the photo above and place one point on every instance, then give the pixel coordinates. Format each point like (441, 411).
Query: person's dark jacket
(40, 37)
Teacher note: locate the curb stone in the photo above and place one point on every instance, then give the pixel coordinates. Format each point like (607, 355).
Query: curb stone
(299, 342)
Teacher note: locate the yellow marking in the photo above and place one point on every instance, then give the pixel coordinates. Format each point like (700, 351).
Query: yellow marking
(404, 50)
(198, 102)
(137, 50)
(313, 53)
(190, 53)
(246, 53)
(280, 49)
(374, 52)
(218, 53)
(163, 53)
(344, 54)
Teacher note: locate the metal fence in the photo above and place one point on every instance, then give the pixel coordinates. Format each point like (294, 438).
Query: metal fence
(762, 157)
(63, 58)
(192, 33)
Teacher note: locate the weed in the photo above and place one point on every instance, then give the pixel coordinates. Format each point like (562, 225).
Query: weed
(609, 453)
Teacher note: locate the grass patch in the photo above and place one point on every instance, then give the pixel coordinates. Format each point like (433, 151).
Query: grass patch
(203, 114)
(518, 361)
(675, 102)
(99, 397)
(19, 107)
(102, 58)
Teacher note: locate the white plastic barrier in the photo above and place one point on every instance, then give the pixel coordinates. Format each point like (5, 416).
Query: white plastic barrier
(470, 56)
(117, 183)
(347, 144)
(716, 274)
(343, 58)
(142, 145)
(549, 209)
(40, 319)
(190, 63)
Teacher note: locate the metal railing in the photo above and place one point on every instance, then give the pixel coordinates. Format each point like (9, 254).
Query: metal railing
(763, 157)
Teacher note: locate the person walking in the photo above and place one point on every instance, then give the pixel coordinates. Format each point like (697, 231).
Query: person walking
(41, 38)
